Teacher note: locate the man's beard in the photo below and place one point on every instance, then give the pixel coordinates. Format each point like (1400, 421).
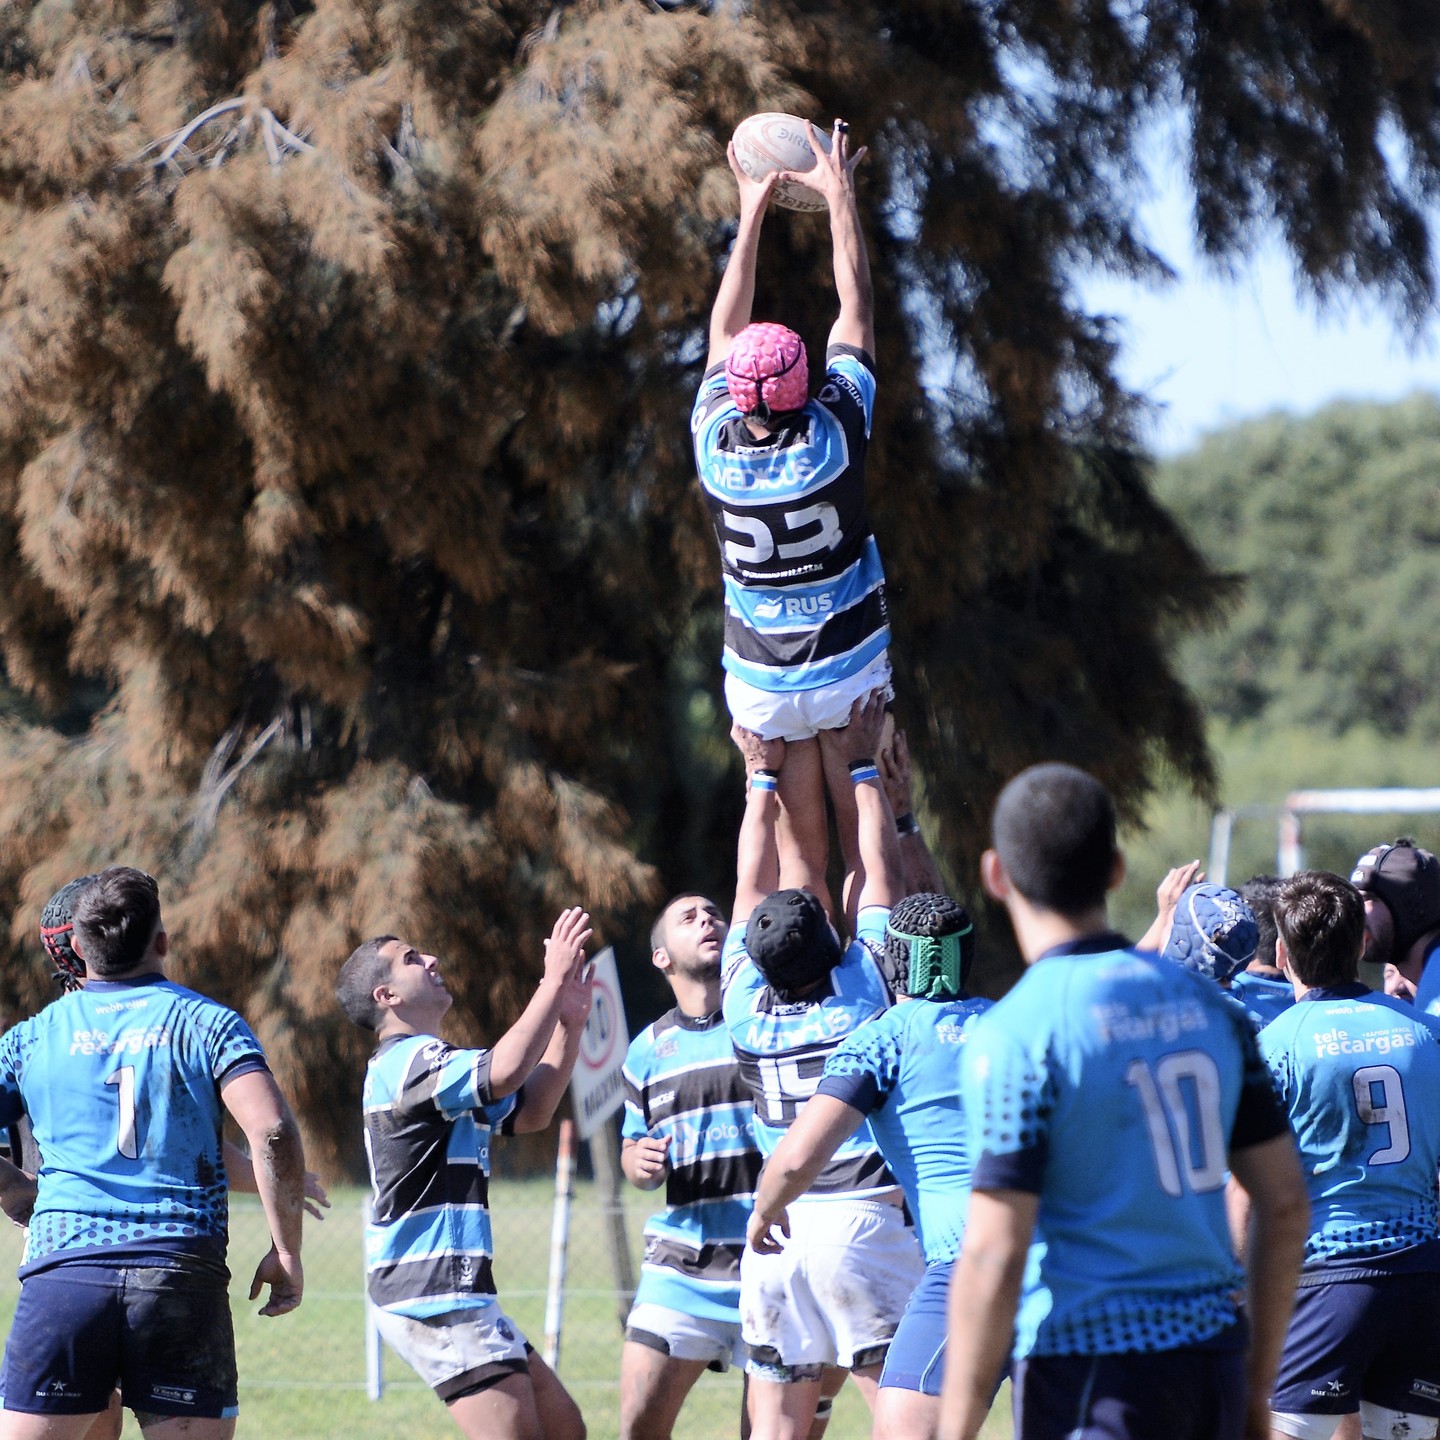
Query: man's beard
(702, 969)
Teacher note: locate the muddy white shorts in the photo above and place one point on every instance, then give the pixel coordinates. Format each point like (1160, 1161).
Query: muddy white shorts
(800, 714)
(686, 1337)
(458, 1353)
(834, 1295)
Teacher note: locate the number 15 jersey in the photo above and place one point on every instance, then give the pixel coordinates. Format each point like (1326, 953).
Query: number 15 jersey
(804, 589)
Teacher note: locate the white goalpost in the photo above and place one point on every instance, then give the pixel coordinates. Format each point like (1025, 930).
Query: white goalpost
(1289, 815)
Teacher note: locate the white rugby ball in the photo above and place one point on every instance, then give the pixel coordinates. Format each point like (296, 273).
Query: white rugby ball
(774, 141)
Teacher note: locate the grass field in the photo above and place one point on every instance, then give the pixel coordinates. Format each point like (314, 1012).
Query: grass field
(302, 1376)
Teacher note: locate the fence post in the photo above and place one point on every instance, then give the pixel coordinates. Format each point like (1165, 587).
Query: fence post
(374, 1345)
(605, 1157)
(559, 1243)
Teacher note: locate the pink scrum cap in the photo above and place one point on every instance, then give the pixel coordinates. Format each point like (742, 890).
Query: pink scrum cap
(766, 371)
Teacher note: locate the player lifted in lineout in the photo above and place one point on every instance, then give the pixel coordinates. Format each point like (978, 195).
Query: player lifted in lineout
(783, 476)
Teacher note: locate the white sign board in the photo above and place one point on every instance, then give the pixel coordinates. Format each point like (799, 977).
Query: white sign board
(597, 1088)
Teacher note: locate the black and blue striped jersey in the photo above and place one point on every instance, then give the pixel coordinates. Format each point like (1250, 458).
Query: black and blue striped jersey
(682, 1082)
(782, 1047)
(428, 1122)
(804, 589)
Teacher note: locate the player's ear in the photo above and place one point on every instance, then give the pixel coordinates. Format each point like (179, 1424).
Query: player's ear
(994, 877)
(161, 943)
(1117, 872)
(384, 996)
(660, 959)
(1282, 955)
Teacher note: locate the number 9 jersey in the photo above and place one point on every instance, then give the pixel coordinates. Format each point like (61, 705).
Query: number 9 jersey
(804, 589)
(1360, 1075)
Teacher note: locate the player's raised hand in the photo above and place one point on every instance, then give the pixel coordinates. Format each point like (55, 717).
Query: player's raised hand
(859, 738)
(759, 1232)
(834, 172)
(286, 1278)
(576, 997)
(565, 948)
(1175, 884)
(757, 753)
(895, 773)
(754, 194)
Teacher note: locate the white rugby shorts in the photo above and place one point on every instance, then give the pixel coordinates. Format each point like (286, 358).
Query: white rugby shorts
(802, 714)
(686, 1337)
(460, 1352)
(834, 1295)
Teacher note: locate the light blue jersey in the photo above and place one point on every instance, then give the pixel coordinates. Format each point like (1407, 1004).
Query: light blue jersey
(121, 1081)
(902, 1069)
(1359, 1073)
(804, 589)
(1427, 992)
(1264, 998)
(1113, 1084)
(682, 1083)
(429, 1116)
(782, 1048)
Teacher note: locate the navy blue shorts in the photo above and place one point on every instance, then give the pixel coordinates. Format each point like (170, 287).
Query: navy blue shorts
(1187, 1394)
(162, 1334)
(1354, 1340)
(916, 1358)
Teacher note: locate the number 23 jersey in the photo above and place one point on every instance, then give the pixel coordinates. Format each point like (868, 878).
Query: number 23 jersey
(804, 589)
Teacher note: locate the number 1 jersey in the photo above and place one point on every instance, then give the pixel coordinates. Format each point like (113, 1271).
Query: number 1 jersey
(121, 1081)
(804, 589)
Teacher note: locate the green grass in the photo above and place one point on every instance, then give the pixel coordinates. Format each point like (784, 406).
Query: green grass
(302, 1376)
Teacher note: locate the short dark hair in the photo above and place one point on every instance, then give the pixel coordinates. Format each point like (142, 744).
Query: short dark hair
(359, 976)
(660, 930)
(1260, 892)
(1054, 830)
(1321, 919)
(116, 917)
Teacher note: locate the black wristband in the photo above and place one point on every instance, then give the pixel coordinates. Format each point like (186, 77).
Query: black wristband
(907, 824)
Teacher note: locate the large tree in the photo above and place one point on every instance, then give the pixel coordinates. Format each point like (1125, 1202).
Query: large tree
(347, 350)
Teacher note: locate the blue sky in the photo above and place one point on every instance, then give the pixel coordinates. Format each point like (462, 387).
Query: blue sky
(1213, 351)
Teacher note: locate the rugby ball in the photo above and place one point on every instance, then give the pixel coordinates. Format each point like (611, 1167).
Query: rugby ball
(774, 141)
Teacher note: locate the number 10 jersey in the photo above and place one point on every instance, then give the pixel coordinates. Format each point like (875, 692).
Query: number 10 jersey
(804, 589)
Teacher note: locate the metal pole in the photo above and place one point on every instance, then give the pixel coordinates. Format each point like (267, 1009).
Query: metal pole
(605, 1157)
(559, 1243)
(1291, 856)
(374, 1345)
(1221, 827)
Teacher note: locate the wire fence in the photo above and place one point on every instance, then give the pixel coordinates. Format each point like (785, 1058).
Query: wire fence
(305, 1375)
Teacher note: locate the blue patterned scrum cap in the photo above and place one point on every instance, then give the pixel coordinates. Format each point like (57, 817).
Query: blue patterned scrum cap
(1214, 933)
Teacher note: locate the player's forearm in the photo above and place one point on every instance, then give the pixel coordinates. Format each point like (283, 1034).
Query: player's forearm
(1274, 1255)
(277, 1156)
(519, 1050)
(18, 1192)
(984, 1295)
(879, 846)
(757, 861)
(852, 273)
(735, 300)
(546, 1085)
(922, 874)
